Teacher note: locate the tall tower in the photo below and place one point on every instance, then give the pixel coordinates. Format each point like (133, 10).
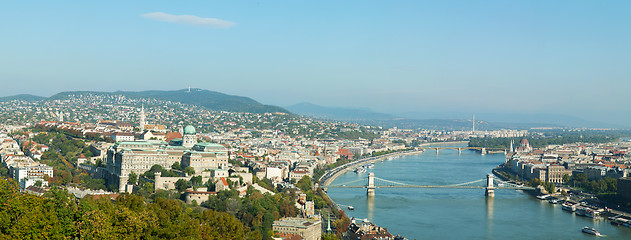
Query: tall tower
(142, 118)
(473, 124)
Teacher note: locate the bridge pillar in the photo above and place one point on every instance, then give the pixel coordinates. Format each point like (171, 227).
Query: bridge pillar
(483, 151)
(370, 189)
(489, 191)
(459, 150)
(437, 150)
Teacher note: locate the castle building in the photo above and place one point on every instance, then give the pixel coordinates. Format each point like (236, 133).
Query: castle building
(189, 136)
(206, 156)
(126, 157)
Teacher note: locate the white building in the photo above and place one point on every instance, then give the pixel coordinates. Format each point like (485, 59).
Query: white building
(122, 136)
(38, 171)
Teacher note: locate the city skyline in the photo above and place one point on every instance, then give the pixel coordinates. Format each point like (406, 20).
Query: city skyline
(565, 57)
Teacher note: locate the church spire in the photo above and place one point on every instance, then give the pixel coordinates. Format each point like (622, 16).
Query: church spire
(142, 118)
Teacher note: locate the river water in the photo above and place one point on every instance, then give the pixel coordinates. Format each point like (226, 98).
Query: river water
(459, 213)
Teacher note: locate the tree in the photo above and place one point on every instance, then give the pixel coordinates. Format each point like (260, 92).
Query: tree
(176, 166)
(196, 181)
(189, 170)
(133, 178)
(566, 178)
(305, 183)
(534, 182)
(549, 186)
(181, 185)
(329, 236)
(38, 183)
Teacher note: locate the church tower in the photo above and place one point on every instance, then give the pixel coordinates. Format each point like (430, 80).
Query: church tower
(142, 118)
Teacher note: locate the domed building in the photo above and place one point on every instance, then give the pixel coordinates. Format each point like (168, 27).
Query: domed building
(524, 146)
(189, 136)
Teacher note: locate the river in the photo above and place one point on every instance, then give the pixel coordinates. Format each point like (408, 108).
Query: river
(459, 213)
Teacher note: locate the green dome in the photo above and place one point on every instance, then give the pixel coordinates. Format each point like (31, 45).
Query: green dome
(189, 130)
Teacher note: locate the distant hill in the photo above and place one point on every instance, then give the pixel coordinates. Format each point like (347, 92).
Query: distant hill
(337, 113)
(200, 97)
(22, 97)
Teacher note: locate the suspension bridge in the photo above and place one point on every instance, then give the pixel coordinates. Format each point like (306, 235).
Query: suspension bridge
(482, 150)
(489, 184)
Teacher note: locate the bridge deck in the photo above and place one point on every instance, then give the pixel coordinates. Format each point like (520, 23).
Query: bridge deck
(428, 186)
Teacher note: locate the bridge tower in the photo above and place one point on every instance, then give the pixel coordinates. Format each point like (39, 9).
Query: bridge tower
(459, 150)
(489, 191)
(483, 151)
(370, 189)
(437, 149)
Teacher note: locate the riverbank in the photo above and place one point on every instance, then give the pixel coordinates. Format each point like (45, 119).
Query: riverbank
(332, 174)
(588, 200)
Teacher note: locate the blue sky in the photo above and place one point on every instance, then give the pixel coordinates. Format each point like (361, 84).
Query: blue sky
(567, 57)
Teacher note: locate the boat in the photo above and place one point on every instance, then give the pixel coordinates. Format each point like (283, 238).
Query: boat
(369, 166)
(587, 212)
(591, 231)
(568, 206)
(351, 208)
(554, 201)
(619, 221)
(543, 197)
(360, 170)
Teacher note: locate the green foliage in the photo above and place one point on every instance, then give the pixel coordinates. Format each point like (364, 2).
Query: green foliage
(133, 177)
(534, 182)
(58, 216)
(602, 186)
(176, 166)
(151, 173)
(329, 236)
(549, 187)
(304, 183)
(181, 185)
(257, 211)
(196, 181)
(189, 170)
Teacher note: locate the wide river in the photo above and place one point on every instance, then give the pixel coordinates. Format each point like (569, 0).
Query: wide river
(459, 213)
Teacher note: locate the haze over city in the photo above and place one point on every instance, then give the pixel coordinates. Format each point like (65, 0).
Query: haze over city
(521, 57)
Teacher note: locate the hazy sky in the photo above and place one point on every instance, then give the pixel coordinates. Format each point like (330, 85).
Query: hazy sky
(569, 57)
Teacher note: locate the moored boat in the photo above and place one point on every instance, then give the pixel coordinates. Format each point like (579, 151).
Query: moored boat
(543, 197)
(587, 212)
(569, 206)
(553, 201)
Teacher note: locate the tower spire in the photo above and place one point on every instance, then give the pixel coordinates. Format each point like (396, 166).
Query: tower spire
(142, 118)
(473, 124)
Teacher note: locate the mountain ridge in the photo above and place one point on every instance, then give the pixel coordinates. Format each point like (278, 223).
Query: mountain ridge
(195, 96)
(22, 97)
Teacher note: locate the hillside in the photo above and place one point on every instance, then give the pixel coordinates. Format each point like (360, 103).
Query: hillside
(200, 97)
(22, 97)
